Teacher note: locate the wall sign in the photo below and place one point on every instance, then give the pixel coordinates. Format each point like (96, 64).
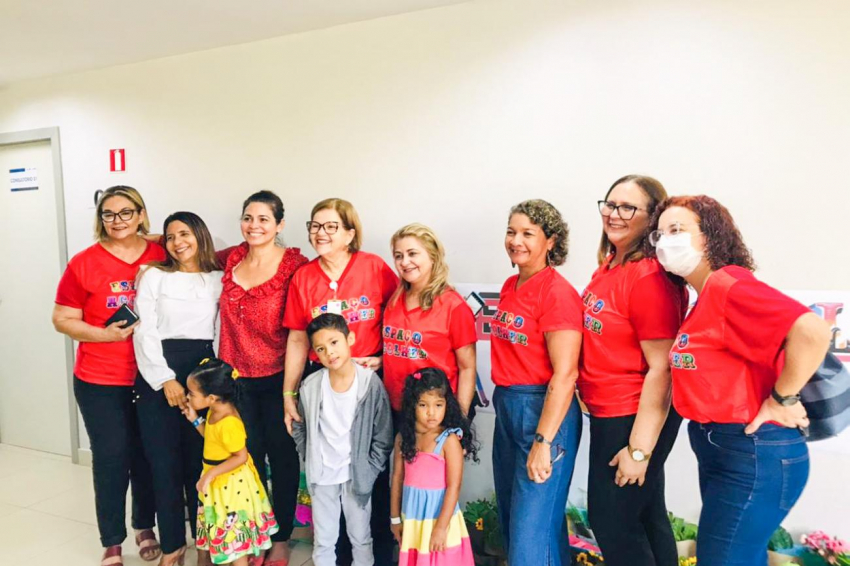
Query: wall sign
(117, 163)
(23, 179)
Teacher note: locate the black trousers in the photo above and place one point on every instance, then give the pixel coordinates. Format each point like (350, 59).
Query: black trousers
(173, 447)
(630, 522)
(261, 407)
(118, 460)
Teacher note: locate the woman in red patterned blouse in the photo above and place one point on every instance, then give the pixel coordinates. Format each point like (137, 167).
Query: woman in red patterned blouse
(253, 340)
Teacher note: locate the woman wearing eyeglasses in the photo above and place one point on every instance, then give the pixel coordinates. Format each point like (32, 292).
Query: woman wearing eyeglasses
(357, 285)
(96, 283)
(739, 362)
(257, 274)
(535, 342)
(632, 311)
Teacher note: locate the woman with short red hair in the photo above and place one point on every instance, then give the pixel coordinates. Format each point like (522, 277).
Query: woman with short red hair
(740, 359)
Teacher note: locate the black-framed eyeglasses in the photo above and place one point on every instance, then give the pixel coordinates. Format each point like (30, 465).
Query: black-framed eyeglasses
(329, 227)
(124, 215)
(626, 211)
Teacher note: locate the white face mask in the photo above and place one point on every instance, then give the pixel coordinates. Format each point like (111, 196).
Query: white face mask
(677, 255)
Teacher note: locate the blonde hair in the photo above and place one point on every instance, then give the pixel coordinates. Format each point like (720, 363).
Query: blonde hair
(128, 193)
(439, 272)
(348, 215)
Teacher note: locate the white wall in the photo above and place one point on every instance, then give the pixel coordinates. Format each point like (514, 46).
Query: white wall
(452, 115)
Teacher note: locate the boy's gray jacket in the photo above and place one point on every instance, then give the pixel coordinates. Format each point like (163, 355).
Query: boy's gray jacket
(371, 433)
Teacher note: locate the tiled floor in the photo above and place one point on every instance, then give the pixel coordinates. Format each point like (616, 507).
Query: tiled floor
(47, 513)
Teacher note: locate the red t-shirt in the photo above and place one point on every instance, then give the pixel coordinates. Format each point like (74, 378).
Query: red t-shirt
(726, 356)
(362, 291)
(416, 339)
(544, 303)
(623, 306)
(252, 338)
(98, 283)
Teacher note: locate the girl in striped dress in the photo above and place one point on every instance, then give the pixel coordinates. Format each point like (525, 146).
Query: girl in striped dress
(428, 471)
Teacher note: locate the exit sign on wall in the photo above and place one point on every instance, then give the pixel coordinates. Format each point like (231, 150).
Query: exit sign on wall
(116, 160)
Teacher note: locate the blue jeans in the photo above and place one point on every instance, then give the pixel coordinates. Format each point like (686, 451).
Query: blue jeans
(748, 484)
(531, 515)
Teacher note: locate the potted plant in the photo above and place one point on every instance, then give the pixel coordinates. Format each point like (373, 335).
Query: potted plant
(685, 534)
(485, 537)
(826, 549)
(780, 548)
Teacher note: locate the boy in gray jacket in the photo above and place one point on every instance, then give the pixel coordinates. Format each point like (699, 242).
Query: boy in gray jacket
(345, 438)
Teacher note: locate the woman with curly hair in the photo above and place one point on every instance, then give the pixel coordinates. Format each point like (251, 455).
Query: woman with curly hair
(426, 322)
(739, 362)
(535, 344)
(428, 471)
(632, 312)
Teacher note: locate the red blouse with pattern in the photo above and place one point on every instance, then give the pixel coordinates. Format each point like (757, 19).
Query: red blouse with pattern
(253, 339)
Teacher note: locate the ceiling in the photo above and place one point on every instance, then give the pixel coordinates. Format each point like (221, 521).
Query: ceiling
(53, 37)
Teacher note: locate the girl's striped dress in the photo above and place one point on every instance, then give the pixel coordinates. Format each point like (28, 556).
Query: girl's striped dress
(422, 500)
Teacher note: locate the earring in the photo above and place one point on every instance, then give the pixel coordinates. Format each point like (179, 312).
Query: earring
(548, 258)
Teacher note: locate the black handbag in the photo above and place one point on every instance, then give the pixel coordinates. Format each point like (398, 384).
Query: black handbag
(826, 398)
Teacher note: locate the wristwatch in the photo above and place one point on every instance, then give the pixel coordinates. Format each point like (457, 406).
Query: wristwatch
(638, 455)
(539, 438)
(785, 401)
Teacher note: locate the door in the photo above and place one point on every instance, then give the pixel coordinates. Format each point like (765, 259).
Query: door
(33, 367)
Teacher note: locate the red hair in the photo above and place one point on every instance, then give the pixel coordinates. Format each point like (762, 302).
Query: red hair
(724, 244)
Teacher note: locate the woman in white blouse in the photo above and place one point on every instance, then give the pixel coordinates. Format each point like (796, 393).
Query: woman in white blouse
(177, 303)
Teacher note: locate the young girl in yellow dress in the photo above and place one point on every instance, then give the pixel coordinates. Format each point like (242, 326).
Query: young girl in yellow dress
(235, 519)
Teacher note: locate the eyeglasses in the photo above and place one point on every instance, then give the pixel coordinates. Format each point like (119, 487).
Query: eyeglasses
(124, 215)
(672, 230)
(626, 211)
(329, 227)
(558, 452)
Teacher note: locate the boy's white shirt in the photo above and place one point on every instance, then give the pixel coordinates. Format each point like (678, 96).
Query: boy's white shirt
(336, 418)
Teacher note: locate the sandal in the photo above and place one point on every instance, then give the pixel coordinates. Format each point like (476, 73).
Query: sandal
(173, 558)
(149, 549)
(112, 556)
(279, 562)
(257, 560)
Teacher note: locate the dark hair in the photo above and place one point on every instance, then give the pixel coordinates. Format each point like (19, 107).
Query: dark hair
(656, 193)
(268, 198)
(423, 381)
(206, 250)
(545, 215)
(724, 244)
(326, 321)
(215, 377)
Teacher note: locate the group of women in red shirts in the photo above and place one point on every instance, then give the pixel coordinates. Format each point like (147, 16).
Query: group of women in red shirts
(735, 364)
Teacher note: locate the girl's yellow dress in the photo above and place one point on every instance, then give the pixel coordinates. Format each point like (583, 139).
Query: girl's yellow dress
(235, 518)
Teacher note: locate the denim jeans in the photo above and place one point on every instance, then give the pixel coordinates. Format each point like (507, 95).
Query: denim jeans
(748, 484)
(531, 515)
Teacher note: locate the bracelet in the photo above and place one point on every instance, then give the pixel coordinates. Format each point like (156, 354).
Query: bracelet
(198, 422)
(395, 520)
(290, 394)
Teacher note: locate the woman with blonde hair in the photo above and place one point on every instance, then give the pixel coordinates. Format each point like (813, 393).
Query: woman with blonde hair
(427, 323)
(96, 284)
(357, 285)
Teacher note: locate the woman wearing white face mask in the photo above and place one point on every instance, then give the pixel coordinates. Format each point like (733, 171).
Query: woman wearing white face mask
(739, 362)
(632, 312)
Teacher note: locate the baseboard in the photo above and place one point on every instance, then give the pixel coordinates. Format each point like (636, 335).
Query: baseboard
(84, 457)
